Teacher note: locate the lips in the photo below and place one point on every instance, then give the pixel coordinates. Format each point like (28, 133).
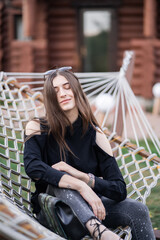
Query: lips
(65, 101)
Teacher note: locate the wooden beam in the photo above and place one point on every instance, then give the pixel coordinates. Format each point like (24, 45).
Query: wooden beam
(26, 91)
(119, 140)
(29, 18)
(149, 15)
(157, 234)
(156, 106)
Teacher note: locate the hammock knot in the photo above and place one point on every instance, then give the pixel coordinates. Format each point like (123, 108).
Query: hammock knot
(125, 141)
(11, 80)
(24, 87)
(151, 156)
(36, 95)
(2, 74)
(112, 136)
(137, 150)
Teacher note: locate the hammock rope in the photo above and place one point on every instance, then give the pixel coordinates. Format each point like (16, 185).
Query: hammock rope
(20, 103)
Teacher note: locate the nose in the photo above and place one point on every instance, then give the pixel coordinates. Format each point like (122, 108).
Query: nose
(62, 92)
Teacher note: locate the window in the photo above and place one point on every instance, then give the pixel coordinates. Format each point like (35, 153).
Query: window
(18, 27)
(98, 50)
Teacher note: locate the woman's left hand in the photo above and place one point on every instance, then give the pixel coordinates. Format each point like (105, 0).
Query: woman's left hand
(62, 166)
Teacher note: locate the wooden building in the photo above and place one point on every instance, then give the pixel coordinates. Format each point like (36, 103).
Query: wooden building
(90, 35)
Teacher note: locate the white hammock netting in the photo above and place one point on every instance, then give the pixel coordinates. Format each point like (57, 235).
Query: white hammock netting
(110, 97)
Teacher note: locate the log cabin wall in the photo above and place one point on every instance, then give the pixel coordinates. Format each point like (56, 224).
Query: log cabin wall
(41, 37)
(51, 36)
(130, 22)
(157, 46)
(62, 34)
(1, 23)
(130, 25)
(5, 41)
(139, 28)
(29, 54)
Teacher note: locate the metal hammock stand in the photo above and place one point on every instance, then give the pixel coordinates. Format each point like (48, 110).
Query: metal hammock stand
(19, 103)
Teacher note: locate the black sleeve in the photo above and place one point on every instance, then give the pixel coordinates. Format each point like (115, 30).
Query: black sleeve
(112, 184)
(35, 166)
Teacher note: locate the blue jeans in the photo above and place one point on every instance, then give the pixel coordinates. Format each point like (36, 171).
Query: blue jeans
(126, 213)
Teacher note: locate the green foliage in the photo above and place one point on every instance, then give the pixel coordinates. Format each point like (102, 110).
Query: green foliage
(96, 59)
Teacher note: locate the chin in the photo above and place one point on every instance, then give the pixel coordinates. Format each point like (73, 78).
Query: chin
(68, 108)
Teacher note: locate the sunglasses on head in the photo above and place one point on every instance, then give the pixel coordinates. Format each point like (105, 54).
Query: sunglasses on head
(49, 72)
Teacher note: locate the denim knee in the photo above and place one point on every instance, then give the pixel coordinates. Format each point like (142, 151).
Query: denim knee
(129, 213)
(136, 208)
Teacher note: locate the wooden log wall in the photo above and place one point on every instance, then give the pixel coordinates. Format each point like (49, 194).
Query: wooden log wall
(147, 49)
(5, 40)
(157, 46)
(130, 25)
(158, 19)
(1, 21)
(62, 34)
(157, 61)
(55, 40)
(40, 43)
(130, 22)
(28, 55)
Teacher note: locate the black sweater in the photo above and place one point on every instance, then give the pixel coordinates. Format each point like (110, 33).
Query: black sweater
(42, 151)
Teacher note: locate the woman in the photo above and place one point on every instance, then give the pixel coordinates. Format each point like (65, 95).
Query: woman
(67, 150)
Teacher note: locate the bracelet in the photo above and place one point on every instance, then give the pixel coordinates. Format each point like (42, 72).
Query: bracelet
(91, 180)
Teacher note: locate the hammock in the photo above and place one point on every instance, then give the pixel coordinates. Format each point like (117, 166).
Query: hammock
(19, 103)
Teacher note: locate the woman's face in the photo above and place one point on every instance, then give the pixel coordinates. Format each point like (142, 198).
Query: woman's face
(65, 94)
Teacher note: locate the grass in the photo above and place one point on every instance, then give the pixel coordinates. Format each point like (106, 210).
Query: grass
(154, 206)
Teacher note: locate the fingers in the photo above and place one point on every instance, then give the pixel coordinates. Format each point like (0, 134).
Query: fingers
(95, 211)
(94, 201)
(61, 166)
(99, 210)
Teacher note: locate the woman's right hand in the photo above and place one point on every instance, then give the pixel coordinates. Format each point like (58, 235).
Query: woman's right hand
(93, 200)
(86, 192)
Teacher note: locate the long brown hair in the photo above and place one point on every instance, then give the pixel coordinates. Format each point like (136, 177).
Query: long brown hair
(56, 118)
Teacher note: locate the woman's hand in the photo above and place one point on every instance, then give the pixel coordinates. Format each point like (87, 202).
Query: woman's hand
(62, 166)
(93, 200)
(86, 192)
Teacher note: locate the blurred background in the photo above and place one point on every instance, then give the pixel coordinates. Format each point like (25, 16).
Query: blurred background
(90, 35)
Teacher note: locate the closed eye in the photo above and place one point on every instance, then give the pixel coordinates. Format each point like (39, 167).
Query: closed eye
(66, 86)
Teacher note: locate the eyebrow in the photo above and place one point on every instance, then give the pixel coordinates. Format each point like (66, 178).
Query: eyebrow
(62, 84)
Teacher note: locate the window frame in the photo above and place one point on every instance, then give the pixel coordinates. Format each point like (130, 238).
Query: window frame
(114, 47)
